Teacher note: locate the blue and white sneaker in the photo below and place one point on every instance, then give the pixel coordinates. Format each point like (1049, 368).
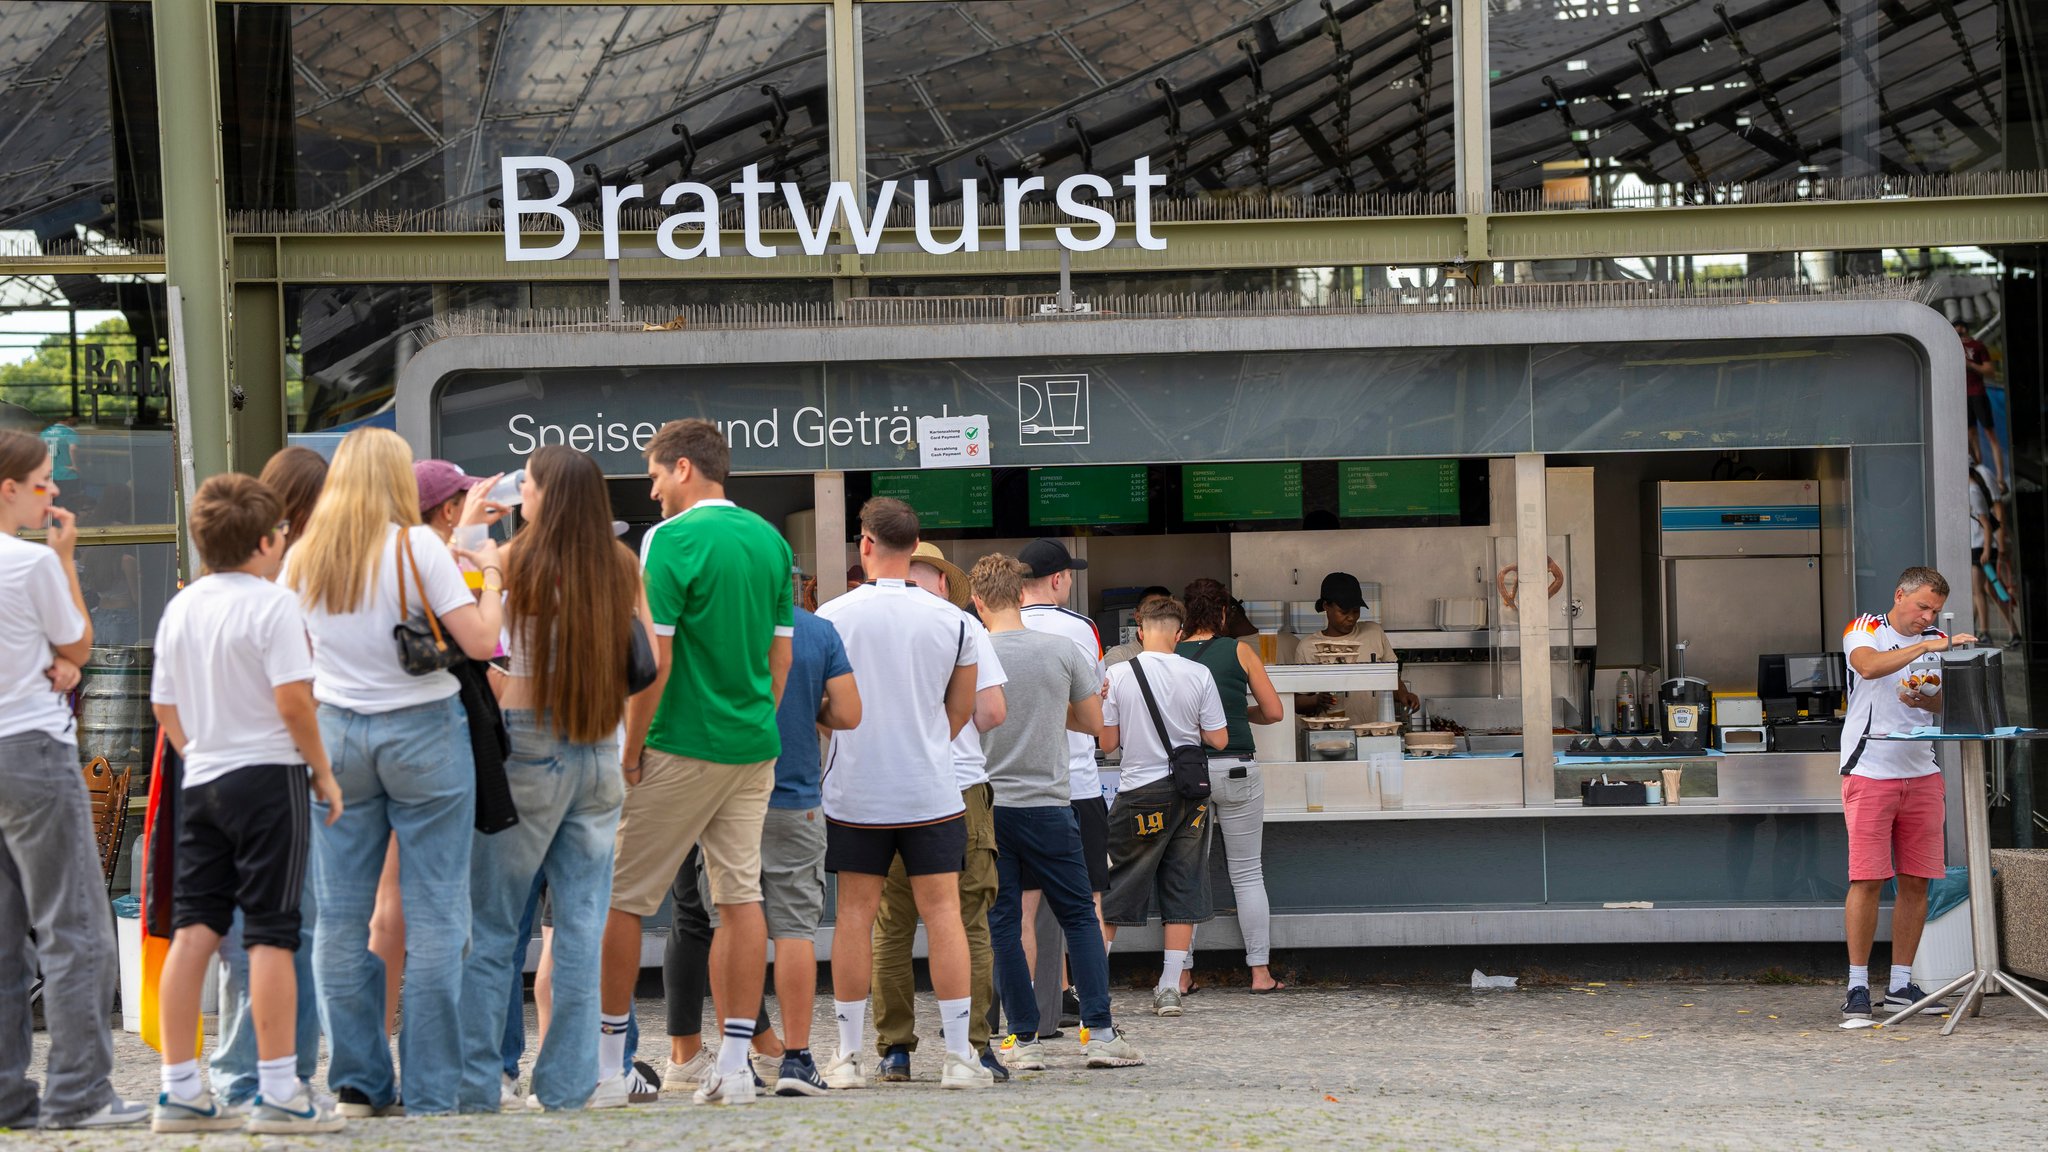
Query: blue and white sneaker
(1900, 999)
(995, 1066)
(799, 1077)
(303, 1113)
(896, 1065)
(200, 1114)
(1857, 1006)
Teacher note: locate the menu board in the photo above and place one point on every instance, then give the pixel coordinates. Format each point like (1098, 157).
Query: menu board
(1090, 496)
(944, 497)
(1382, 489)
(1240, 491)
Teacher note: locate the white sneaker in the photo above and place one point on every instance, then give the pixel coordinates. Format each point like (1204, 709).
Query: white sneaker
(1166, 1001)
(686, 1076)
(301, 1114)
(727, 1088)
(1024, 1056)
(622, 1089)
(509, 1099)
(964, 1072)
(118, 1113)
(1115, 1052)
(846, 1072)
(202, 1113)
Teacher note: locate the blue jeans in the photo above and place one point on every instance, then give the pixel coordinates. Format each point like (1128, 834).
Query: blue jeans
(513, 1045)
(407, 772)
(569, 796)
(1049, 840)
(234, 1053)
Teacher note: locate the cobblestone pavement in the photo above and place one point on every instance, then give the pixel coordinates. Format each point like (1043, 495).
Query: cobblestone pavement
(1375, 1066)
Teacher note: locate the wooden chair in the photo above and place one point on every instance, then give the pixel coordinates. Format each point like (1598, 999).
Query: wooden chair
(109, 789)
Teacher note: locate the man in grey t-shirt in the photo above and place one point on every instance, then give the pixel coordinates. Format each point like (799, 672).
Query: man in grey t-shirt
(1052, 691)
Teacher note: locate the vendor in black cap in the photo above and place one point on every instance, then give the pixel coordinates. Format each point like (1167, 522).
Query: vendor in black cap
(1342, 603)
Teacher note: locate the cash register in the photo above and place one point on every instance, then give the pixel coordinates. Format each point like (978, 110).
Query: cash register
(1801, 694)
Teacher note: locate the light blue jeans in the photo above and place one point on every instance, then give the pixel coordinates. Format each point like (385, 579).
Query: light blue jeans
(234, 1054)
(569, 796)
(408, 772)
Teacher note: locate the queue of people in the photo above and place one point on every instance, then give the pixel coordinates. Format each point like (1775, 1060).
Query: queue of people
(386, 729)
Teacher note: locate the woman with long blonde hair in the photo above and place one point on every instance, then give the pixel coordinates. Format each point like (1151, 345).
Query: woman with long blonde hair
(572, 594)
(400, 748)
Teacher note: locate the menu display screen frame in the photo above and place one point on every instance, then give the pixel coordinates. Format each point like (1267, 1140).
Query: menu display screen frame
(958, 486)
(1110, 483)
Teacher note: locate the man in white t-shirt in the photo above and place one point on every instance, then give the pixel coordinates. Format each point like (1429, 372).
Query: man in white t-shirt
(890, 790)
(1891, 790)
(894, 993)
(1159, 839)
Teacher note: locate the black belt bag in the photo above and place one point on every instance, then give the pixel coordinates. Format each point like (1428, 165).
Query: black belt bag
(1187, 765)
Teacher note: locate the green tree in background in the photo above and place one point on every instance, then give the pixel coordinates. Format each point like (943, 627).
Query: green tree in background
(42, 382)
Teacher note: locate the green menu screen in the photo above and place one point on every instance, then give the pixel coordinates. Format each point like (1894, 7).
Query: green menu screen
(1383, 489)
(1090, 496)
(1240, 491)
(944, 497)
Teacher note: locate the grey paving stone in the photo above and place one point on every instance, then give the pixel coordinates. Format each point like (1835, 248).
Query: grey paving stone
(1618, 1066)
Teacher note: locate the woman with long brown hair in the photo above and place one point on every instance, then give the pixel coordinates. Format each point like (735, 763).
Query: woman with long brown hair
(572, 592)
(1236, 790)
(296, 474)
(401, 750)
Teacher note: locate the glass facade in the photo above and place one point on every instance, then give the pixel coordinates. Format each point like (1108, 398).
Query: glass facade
(79, 161)
(1225, 96)
(1626, 102)
(379, 108)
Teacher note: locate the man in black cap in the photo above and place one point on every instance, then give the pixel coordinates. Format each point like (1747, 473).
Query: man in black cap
(1342, 603)
(1048, 588)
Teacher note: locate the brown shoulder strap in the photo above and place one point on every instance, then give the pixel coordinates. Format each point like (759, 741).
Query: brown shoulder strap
(405, 554)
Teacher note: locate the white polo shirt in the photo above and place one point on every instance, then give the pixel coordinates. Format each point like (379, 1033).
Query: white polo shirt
(897, 768)
(1082, 778)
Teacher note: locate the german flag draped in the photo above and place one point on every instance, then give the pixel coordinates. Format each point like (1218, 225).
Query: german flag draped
(159, 867)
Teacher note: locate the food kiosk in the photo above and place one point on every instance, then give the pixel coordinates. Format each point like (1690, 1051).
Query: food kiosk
(1445, 456)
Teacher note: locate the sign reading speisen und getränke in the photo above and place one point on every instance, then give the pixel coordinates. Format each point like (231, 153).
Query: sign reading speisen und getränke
(698, 206)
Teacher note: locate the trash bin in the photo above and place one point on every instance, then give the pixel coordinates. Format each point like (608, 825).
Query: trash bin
(128, 934)
(1946, 951)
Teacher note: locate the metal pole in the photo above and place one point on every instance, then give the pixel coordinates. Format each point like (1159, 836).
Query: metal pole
(1066, 281)
(614, 307)
(195, 244)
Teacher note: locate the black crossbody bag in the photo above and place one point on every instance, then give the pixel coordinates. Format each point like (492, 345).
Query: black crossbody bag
(1187, 765)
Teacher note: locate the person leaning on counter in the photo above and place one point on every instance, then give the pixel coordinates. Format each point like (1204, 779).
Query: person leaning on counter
(1342, 603)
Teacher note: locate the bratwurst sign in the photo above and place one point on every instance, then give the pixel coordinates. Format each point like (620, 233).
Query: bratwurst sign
(692, 231)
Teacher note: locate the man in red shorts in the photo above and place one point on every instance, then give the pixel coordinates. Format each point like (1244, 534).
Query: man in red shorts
(1891, 789)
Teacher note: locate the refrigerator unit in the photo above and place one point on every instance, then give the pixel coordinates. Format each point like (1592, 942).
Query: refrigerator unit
(1735, 572)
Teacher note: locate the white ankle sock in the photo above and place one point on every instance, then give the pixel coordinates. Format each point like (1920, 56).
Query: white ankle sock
(1169, 975)
(182, 1080)
(853, 1025)
(1902, 975)
(1859, 975)
(611, 1043)
(953, 1023)
(278, 1080)
(732, 1053)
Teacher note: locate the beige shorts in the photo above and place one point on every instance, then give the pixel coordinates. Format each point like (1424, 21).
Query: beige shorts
(681, 802)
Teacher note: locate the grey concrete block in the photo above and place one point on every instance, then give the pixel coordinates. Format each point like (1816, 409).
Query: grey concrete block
(2022, 887)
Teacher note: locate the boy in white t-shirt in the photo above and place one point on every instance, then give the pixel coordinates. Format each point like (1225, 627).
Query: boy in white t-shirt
(1892, 798)
(1159, 839)
(233, 691)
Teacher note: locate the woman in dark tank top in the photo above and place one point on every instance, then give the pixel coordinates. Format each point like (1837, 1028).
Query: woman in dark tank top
(1237, 791)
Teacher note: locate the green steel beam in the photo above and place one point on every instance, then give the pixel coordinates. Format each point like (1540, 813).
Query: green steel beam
(1206, 245)
(259, 427)
(81, 265)
(1810, 226)
(195, 244)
